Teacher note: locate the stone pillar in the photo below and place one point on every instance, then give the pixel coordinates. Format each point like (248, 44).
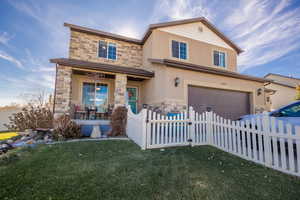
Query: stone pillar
(120, 90)
(63, 88)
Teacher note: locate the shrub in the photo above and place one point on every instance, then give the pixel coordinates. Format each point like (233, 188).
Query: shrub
(118, 121)
(65, 128)
(31, 118)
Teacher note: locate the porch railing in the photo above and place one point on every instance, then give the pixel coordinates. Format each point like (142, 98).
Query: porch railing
(91, 112)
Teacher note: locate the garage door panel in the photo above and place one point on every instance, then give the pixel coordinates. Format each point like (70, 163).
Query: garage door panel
(226, 103)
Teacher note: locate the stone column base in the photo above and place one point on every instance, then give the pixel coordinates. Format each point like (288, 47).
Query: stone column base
(120, 90)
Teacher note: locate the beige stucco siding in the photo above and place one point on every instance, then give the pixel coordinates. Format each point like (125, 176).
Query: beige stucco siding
(154, 89)
(169, 94)
(148, 52)
(283, 95)
(84, 46)
(197, 31)
(199, 53)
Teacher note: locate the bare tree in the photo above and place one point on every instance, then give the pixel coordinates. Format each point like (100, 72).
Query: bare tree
(38, 98)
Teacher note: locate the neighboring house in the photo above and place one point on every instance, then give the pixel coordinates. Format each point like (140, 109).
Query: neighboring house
(5, 113)
(285, 88)
(175, 65)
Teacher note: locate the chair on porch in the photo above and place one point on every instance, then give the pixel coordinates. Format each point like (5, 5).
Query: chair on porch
(101, 112)
(80, 112)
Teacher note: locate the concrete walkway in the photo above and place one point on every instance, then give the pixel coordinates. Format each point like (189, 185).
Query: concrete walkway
(90, 139)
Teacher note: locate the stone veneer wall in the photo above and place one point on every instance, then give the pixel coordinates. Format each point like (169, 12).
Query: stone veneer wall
(120, 90)
(84, 46)
(167, 107)
(63, 90)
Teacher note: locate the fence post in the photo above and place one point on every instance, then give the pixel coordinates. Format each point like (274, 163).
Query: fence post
(209, 127)
(267, 143)
(144, 128)
(192, 125)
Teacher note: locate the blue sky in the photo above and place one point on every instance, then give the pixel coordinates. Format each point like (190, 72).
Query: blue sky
(32, 32)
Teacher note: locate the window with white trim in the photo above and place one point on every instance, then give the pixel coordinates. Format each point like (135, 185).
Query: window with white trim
(179, 50)
(219, 59)
(107, 50)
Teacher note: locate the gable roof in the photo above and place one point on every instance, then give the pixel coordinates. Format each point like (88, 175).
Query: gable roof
(210, 70)
(155, 26)
(192, 20)
(280, 75)
(284, 84)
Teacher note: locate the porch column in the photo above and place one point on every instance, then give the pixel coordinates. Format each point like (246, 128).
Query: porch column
(120, 90)
(63, 88)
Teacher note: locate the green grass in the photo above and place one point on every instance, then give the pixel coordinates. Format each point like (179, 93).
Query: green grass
(120, 170)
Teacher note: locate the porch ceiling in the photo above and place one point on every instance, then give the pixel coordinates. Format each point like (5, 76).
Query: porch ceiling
(80, 64)
(106, 75)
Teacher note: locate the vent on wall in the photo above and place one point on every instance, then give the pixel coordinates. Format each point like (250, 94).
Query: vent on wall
(200, 29)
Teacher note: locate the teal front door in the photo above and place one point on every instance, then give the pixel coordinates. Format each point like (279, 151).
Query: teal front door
(132, 98)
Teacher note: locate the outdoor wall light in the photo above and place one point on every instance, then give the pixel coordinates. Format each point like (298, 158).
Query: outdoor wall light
(259, 91)
(176, 81)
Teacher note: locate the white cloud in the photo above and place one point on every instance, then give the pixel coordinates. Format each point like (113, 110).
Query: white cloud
(31, 81)
(181, 9)
(9, 100)
(265, 29)
(128, 28)
(5, 37)
(12, 59)
(50, 18)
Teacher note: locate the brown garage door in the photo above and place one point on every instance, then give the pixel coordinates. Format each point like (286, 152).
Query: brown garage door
(226, 103)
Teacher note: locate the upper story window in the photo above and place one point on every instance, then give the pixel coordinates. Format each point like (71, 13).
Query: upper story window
(219, 59)
(107, 50)
(179, 50)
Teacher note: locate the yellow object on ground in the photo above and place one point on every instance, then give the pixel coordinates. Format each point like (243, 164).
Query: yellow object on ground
(7, 135)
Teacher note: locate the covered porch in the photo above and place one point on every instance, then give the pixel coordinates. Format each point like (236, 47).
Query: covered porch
(90, 91)
(96, 94)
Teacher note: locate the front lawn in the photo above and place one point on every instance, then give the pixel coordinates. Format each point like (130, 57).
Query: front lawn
(120, 170)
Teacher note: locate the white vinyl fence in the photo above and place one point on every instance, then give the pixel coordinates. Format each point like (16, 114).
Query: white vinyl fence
(136, 127)
(263, 139)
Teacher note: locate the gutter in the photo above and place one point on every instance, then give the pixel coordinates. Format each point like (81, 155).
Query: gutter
(206, 69)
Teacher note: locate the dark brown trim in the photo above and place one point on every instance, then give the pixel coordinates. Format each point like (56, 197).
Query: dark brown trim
(154, 26)
(199, 68)
(102, 67)
(283, 84)
(102, 33)
(280, 75)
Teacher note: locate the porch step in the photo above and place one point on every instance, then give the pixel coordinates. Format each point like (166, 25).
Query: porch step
(87, 126)
(87, 130)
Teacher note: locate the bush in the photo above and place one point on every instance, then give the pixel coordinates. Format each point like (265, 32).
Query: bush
(65, 128)
(118, 121)
(31, 118)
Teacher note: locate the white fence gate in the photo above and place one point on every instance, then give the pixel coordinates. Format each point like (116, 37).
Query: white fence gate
(263, 139)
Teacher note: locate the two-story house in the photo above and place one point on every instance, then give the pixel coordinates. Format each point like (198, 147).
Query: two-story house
(284, 88)
(175, 65)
